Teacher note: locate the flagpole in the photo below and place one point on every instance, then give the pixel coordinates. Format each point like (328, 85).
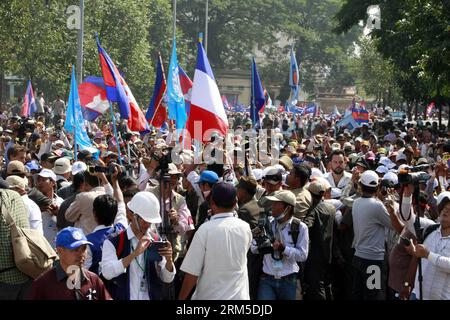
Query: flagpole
(253, 102)
(115, 132)
(174, 17)
(206, 26)
(75, 149)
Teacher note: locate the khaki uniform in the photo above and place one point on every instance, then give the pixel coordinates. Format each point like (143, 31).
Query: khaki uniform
(303, 201)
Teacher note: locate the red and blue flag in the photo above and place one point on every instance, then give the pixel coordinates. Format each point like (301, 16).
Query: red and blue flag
(29, 104)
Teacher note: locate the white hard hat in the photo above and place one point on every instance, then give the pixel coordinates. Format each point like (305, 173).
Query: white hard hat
(146, 205)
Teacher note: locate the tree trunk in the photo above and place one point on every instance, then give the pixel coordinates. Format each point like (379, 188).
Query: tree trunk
(2, 77)
(408, 106)
(416, 110)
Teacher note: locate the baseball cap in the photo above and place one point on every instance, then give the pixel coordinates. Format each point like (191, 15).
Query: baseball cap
(336, 146)
(173, 170)
(17, 182)
(400, 156)
(223, 192)
(71, 238)
(385, 161)
(208, 176)
(32, 165)
(258, 173)
(78, 167)
(369, 178)
(422, 161)
(442, 196)
(46, 173)
(365, 143)
(382, 170)
(317, 187)
(49, 156)
(16, 167)
(62, 166)
(286, 162)
(283, 196)
(273, 175)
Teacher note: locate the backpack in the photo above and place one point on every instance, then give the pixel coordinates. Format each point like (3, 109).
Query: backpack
(295, 230)
(33, 255)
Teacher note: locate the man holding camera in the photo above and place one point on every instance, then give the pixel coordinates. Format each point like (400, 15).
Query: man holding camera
(289, 237)
(136, 259)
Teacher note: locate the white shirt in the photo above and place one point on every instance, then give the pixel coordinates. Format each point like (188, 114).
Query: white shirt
(436, 268)
(291, 255)
(346, 178)
(34, 214)
(218, 257)
(112, 267)
(49, 223)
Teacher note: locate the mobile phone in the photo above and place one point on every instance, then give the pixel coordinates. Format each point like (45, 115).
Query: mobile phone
(152, 250)
(405, 241)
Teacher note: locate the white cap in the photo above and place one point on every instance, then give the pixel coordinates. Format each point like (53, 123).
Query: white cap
(385, 161)
(403, 134)
(369, 178)
(62, 166)
(47, 173)
(442, 196)
(336, 193)
(316, 173)
(359, 139)
(336, 146)
(281, 168)
(146, 205)
(400, 156)
(78, 167)
(258, 173)
(382, 169)
(392, 177)
(58, 142)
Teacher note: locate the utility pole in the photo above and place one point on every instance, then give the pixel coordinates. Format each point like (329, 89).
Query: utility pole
(80, 38)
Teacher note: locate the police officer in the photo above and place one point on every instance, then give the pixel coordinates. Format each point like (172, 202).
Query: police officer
(289, 246)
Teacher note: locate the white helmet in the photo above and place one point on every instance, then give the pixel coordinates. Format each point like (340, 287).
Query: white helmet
(146, 205)
(442, 196)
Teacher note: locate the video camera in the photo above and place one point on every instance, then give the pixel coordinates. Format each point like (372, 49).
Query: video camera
(109, 170)
(163, 159)
(262, 238)
(414, 175)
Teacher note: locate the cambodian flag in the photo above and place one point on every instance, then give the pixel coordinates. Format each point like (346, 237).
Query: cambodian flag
(360, 115)
(157, 111)
(93, 97)
(225, 102)
(430, 108)
(207, 112)
(118, 91)
(293, 78)
(29, 104)
(186, 88)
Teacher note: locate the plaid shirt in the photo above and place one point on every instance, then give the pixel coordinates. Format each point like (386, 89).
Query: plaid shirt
(12, 201)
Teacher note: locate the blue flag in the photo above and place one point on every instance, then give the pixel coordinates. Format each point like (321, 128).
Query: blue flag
(74, 123)
(174, 94)
(258, 98)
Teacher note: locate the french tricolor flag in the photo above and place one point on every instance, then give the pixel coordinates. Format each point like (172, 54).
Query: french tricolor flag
(29, 104)
(207, 108)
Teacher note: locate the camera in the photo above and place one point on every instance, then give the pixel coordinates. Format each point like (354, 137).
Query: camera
(164, 159)
(262, 238)
(414, 175)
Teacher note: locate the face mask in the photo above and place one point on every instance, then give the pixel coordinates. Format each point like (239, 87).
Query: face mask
(281, 216)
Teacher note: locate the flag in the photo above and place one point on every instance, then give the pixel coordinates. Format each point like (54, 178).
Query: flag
(29, 104)
(430, 109)
(93, 98)
(311, 109)
(225, 102)
(257, 98)
(293, 78)
(281, 108)
(348, 122)
(360, 115)
(186, 88)
(362, 104)
(74, 122)
(118, 91)
(174, 94)
(206, 103)
(157, 112)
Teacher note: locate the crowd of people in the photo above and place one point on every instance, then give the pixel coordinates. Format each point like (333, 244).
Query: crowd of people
(340, 214)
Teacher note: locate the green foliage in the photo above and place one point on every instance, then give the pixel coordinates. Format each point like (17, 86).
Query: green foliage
(415, 38)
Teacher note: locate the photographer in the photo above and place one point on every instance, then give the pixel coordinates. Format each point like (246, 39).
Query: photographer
(435, 250)
(280, 268)
(81, 210)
